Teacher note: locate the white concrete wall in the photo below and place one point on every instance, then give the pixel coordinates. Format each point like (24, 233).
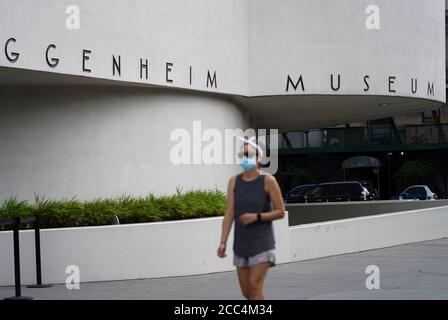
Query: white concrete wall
(318, 240)
(317, 38)
(128, 251)
(253, 45)
(62, 142)
(206, 35)
(189, 247)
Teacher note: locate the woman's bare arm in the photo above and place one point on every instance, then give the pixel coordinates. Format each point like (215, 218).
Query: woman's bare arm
(278, 204)
(228, 218)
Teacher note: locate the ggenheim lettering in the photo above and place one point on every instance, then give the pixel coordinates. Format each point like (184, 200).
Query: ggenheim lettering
(52, 61)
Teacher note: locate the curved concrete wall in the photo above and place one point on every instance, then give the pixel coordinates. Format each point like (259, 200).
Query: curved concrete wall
(252, 45)
(320, 38)
(207, 35)
(62, 142)
(189, 247)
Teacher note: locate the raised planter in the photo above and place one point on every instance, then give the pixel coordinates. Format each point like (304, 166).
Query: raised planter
(188, 247)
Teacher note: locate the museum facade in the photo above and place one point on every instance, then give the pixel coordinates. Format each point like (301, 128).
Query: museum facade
(91, 91)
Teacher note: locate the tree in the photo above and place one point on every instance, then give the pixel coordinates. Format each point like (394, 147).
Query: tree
(415, 172)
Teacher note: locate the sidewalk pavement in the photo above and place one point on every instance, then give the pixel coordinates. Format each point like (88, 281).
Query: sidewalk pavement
(411, 271)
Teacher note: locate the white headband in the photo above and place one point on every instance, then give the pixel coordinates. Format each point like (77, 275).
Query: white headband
(251, 141)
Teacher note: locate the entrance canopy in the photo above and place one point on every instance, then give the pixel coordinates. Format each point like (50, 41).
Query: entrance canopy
(361, 162)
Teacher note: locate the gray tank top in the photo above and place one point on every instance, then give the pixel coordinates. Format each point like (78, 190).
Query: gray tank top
(256, 237)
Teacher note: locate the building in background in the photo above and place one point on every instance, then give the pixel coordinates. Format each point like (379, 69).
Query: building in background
(91, 91)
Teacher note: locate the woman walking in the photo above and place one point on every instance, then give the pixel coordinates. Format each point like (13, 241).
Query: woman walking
(254, 200)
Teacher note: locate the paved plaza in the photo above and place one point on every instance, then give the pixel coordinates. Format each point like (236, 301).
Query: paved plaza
(411, 271)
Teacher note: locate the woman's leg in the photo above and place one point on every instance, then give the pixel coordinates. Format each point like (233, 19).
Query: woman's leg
(257, 274)
(243, 277)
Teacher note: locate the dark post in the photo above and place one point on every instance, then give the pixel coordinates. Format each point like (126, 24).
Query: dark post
(18, 295)
(17, 257)
(389, 178)
(38, 258)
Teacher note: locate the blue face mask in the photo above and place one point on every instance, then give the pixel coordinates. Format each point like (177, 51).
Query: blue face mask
(248, 163)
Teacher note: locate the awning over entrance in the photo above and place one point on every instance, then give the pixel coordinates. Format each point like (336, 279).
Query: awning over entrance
(361, 162)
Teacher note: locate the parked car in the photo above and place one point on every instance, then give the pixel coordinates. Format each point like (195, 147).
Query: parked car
(416, 192)
(338, 192)
(295, 195)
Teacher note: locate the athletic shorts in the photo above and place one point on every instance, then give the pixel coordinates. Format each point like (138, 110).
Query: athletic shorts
(263, 257)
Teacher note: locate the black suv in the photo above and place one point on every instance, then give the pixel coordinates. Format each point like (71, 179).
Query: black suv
(296, 195)
(339, 191)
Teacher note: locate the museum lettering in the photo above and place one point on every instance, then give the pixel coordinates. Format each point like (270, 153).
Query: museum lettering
(293, 83)
(336, 80)
(116, 65)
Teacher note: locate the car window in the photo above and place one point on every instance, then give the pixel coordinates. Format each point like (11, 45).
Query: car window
(409, 192)
(294, 191)
(298, 191)
(421, 191)
(346, 188)
(314, 192)
(334, 190)
(339, 189)
(327, 190)
(354, 188)
(416, 192)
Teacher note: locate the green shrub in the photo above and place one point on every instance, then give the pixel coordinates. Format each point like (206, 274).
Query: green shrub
(76, 213)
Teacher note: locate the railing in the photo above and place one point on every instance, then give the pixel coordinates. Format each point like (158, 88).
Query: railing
(363, 136)
(16, 222)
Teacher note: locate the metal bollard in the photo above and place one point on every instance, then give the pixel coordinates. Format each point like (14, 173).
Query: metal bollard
(38, 258)
(18, 288)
